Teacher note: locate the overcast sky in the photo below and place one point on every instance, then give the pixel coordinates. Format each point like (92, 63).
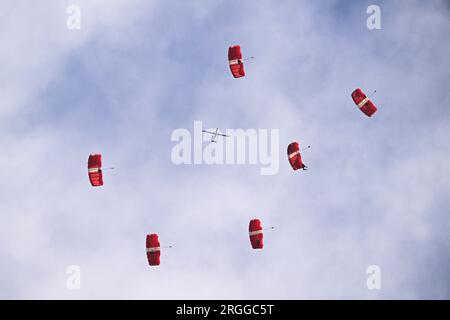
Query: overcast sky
(376, 191)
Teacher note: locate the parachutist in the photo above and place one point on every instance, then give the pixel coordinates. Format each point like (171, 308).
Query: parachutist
(95, 170)
(256, 234)
(153, 249)
(363, 102)
(295, 158)
(235, 61)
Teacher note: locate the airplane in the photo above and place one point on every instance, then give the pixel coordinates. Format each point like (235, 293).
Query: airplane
(215, 134)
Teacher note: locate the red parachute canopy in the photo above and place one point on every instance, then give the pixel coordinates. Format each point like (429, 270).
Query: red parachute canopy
(235, 61)
(95, 170)
(295, 158)
(153, 249)
(363, 102)
(256, 234)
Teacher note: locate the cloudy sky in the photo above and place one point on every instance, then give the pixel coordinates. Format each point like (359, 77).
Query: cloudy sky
(376, 191)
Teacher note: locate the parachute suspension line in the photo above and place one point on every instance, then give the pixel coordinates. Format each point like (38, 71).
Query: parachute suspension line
(168, 247)
(374, 91)
(305, 148)
(271, 228)
(248, 59)
(110, 168)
